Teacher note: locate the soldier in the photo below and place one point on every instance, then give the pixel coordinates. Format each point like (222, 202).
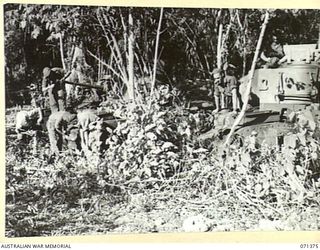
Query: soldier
(73, 139)
(85, 118)
(57, 125)
(231, 85)
(219, 90)
(273, 54)
(54, 88)
(28, 121)
(71, 90)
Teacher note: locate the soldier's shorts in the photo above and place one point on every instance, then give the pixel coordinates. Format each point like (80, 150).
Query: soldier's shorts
(230, 83)
(218, 90)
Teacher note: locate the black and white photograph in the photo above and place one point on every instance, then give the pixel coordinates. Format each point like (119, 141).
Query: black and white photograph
(136, 120)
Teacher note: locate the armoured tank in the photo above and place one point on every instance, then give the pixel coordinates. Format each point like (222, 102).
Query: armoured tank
(283, 99)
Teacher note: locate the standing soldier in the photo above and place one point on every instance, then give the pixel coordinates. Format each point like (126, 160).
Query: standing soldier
(231, 85)
(219, 90)
(54, 88)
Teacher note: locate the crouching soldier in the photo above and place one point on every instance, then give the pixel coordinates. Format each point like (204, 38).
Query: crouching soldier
(85, 118)
(29, 123)
(99, 133)
(72, 136)
(57, 125)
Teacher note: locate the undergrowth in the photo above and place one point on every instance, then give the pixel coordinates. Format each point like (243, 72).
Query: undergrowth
(154, 175)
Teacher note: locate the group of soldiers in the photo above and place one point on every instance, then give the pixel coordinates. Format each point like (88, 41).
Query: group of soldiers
(80, 131)
(83, 130)
(227, 92)
(225, 88)
(65, 124)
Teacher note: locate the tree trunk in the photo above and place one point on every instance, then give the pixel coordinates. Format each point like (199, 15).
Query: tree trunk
(61, 52)
(251, 74)
(156, 57)
(219, 47)
(318, 36)
(99, 65)
(244, 62)
(131, 88)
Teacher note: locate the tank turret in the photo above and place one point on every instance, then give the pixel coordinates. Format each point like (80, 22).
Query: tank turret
(294, 84)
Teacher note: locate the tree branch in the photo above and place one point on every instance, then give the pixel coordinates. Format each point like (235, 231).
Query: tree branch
(251, 74)
(114, 49)
(103, 63)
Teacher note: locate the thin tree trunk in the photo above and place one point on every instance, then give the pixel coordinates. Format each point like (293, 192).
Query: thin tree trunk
(156, 57)
(99, 65)
(243, 29)
(244, 62)
(70, 53)
(125, 34)
(219, 47)
(224, 39)
(318, 36)
(61, 52)
(131, 87)
(251, 73)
